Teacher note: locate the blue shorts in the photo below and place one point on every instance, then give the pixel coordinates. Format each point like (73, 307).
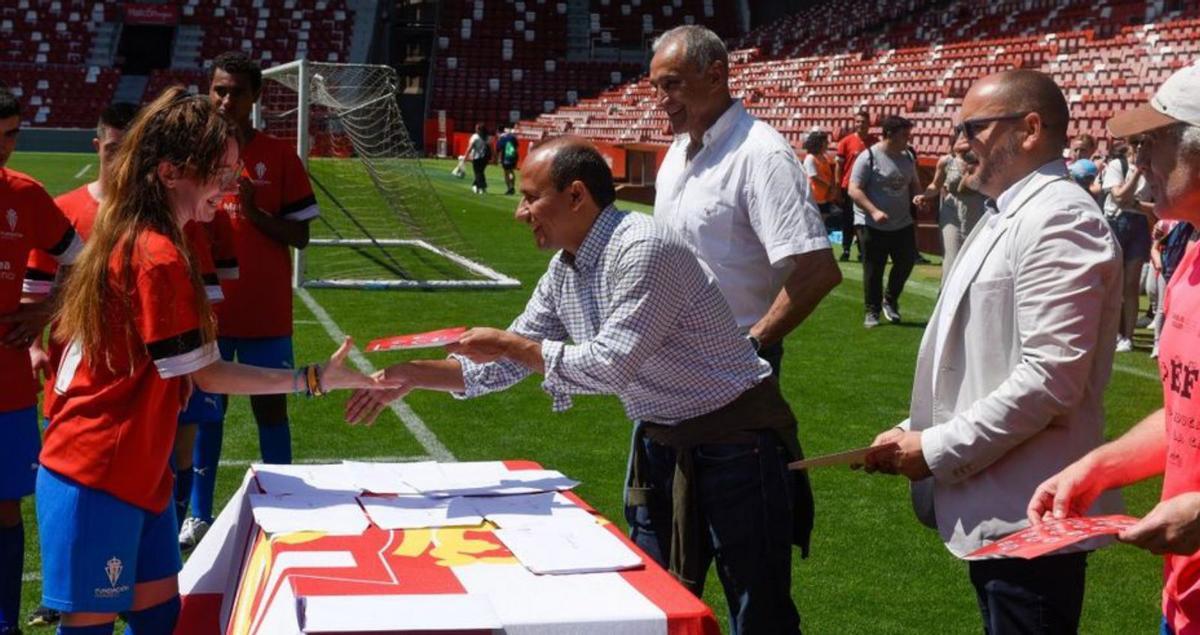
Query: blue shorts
(20, 443)
(1133, 234)
(100, 547)
(203, 407)
(264, 352)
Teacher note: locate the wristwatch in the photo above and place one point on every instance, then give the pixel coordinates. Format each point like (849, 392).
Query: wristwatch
(755, 343)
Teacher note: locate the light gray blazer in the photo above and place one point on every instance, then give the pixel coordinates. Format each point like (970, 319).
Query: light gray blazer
(1024, 361)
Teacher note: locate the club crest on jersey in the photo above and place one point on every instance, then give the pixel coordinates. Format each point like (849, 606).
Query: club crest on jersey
(9, 228)
(113, 569)
(260, 174)
(12, 220)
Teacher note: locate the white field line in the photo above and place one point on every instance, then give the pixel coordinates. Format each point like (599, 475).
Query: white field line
(82, 171)
(930, 291)
(428, 440)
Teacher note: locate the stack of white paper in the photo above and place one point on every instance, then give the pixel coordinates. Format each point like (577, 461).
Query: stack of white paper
(337, 514)
(416, 512)
(487, 478)
(529, 509)
(568, 547)
(304, 479)
(381, 478)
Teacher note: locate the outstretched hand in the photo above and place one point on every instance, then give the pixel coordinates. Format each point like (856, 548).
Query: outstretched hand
(365, 406)
(335, 375)
(482, 344)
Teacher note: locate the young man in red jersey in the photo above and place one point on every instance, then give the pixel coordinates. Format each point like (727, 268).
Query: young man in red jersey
(29, 220)
(270, 216)
(848, 149)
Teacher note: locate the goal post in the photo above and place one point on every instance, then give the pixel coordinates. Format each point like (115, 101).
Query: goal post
(382, 224)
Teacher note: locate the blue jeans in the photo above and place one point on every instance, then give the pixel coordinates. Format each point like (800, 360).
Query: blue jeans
(1039, 596)
(744, 502)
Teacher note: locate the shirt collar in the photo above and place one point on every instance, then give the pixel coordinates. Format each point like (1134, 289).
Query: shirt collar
(1053, 168)
(721, 126)
(596, 239)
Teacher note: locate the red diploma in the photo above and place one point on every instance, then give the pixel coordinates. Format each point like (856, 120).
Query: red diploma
(431, 339)
(1053, 535)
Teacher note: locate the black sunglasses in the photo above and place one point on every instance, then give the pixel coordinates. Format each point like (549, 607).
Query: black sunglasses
(971, 127)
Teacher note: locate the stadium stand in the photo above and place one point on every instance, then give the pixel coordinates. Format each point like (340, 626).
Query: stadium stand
(499, 61)
(815, 69)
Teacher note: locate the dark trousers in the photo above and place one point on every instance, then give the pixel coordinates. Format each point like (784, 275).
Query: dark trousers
(479, 165)
(744, 499)
(774, 356)
(848, 228)
(1030, 597)
(878, 245)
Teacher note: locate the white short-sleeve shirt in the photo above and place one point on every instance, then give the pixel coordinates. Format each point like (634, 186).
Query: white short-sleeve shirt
(744, 207)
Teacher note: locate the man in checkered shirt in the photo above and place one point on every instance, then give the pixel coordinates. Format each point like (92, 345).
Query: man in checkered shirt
(626, 309)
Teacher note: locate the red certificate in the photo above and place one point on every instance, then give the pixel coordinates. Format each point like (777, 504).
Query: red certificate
(431, 339)
(1053, 535)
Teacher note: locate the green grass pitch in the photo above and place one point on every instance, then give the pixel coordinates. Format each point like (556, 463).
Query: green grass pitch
(873, 568)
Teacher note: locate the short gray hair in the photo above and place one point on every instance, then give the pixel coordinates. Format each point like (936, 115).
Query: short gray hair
(701, 47)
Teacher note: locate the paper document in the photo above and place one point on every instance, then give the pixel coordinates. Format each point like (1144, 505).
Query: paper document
(304, 479)
(1052, 535)
(380, 478)
(431, 339)
(337, 514)
(416, 512)
(568, 547)
(849, 457)
(522, 510)
(484, 478)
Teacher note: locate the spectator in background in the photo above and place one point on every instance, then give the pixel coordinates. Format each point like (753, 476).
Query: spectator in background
(883, 184)
(848, 149)
(961, 207)
(1170, 239)
(820, 171)
(1085, 151)
(508, 151)
(479, 152)
(1121, 182)
(1166, 442)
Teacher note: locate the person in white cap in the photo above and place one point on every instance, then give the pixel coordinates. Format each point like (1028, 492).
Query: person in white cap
(1167, 442)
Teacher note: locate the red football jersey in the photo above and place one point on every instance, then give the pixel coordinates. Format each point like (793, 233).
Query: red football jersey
(848, 150)
(212, 243)
(259, 302)
(80, 208)
(113, 429)
(29, 220)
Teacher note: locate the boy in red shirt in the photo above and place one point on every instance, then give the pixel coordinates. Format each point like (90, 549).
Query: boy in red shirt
(270, 215)
(848, 149)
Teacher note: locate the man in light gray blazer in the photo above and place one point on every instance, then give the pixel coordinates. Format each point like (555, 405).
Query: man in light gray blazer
(1011, 372)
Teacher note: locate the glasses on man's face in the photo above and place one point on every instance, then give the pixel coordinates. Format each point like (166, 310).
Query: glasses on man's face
(970, 128)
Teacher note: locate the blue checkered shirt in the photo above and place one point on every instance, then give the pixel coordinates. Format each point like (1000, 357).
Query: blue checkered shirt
(631, 314)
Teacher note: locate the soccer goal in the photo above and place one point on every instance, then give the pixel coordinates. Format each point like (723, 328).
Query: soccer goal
(382, 224)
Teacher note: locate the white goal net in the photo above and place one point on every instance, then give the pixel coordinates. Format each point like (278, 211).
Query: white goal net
(382, 224)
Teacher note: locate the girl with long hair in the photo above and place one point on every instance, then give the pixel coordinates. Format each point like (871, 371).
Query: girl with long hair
(140, 332)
